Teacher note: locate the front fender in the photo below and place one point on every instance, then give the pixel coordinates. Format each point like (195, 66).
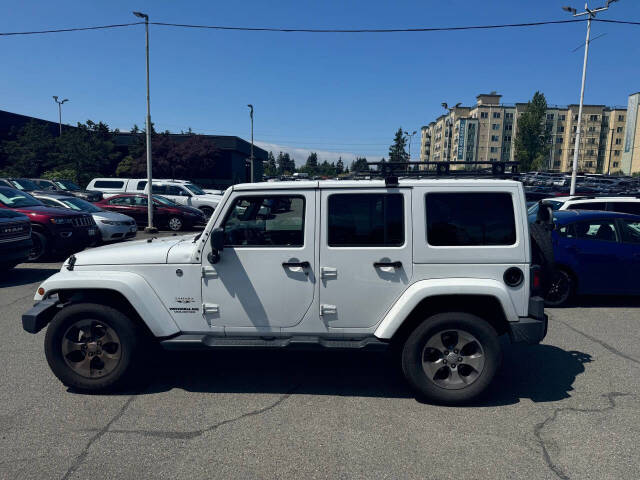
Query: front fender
(131, 285)
(449, 286)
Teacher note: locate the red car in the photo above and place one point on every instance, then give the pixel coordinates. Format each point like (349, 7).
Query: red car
(165, 212)
(53, 230)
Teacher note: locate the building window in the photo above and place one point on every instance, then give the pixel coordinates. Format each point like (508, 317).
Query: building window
(592, 129)
(484, 114)
(593, 118)
(508, 116)
(559, 151)
(495, 138)
(588, 164)
(508, 127)
(619, 130)
(461, 219)
(615, 164)
(575, 118)
(621, 118)
(496, 114)
(562, 118)
(370, 219)
(616, 153)
(494, 149)
(495, 126)
(556, 163)
(507, 138)
(550, 116)
(493, 159)
(560, 129)
(618, 141)
(575, 128)
(590, 153)
(559, 139)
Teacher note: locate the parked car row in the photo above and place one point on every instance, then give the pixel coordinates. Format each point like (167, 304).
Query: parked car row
(61, 187)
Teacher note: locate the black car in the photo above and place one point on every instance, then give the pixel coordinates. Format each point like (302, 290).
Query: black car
(15, 239)
(67, 187)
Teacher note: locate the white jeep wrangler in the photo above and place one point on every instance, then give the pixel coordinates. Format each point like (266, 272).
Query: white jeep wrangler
(439, 268)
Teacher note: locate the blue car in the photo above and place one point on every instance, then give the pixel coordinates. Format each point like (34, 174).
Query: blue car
(596, 253)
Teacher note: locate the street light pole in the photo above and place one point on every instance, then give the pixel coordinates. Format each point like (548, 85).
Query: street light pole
(150, 228)
(251, 156)
(590, 15)
(55, 98)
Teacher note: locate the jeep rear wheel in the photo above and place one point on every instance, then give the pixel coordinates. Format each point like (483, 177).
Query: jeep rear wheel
(92, 347)
(451, 357)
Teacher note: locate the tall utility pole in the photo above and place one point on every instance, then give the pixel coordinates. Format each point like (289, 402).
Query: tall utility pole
(55, 97)
(409, 137)
(590, 16)
(150, 228)
(251, 156)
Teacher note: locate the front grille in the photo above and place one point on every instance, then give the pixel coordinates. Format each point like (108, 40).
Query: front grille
(83, 221)
(15, 231)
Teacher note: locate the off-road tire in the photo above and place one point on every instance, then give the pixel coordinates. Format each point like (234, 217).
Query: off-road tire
(132, 343)
(414, 347)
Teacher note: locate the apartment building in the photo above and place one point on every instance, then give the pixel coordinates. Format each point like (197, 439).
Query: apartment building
(486, 132)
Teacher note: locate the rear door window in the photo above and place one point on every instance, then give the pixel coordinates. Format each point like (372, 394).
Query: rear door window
(470, 219)
(366, 220)
(601, 230)
(630, 231)
(625, 207)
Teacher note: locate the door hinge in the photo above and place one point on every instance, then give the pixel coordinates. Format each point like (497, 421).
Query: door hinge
(328, 309)
(210, 308)
(328, 272)
(209, 272)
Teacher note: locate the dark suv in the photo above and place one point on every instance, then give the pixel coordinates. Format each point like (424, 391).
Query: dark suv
(54, 230)
(15, 239)
(67, 187)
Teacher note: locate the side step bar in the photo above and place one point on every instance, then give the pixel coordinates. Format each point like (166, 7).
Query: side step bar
(204, 342)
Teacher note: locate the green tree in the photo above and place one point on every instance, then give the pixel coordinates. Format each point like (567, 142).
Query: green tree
(286, 165)
(340, 166)
(311, 167)
(271, 169)
(30, 152)
(531, 147)
(359, 165)
(126, 167)
(397, 152)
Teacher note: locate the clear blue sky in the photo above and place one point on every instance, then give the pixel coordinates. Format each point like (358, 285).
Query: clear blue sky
(333, 93)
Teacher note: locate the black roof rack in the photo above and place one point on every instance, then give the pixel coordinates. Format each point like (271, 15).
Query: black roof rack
(390, 171)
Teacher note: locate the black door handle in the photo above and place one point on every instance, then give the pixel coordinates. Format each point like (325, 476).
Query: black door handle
(296, 264)
(387, 264)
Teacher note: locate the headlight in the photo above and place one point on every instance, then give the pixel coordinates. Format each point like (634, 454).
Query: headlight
(109, 222)
(61, 220)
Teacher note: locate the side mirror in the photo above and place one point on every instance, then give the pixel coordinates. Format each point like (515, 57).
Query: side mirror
(545, 214)
(217, 239)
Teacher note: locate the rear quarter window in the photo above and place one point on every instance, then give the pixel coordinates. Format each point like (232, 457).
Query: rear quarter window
(108, 184)
(470, 219)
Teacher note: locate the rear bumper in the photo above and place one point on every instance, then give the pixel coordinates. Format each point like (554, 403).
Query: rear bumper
(531, 329)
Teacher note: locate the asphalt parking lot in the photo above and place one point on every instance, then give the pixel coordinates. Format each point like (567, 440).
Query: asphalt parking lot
(569, 408)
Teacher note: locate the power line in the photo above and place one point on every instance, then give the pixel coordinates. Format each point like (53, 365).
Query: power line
(75, 29)
(312, 30)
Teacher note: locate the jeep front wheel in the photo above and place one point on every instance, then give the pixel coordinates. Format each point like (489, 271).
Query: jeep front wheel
(451, 358)
(92, 347)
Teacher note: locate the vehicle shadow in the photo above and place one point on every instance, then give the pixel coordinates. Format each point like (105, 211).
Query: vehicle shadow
(606, 301)
(541, 373)
(23, 276)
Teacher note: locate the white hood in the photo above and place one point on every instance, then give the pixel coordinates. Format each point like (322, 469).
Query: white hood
(132, 253)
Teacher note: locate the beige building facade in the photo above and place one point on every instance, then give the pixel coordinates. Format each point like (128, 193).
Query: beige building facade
(486, 132)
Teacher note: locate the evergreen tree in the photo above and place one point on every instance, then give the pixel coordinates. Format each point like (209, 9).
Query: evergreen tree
(281, 162)
(397, 152)
(340, 166)
(311, 167)
(359, 165)
(531, 148)
(270, 168)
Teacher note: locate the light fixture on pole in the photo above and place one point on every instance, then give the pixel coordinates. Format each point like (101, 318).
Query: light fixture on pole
(60, 102)
(410, 137)
(251, 156)
(150, 228)
(590, 13)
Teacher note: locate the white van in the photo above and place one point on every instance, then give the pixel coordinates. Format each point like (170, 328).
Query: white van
(181, 192)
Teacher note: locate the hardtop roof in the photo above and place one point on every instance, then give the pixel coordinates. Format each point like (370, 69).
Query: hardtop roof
(377, 183)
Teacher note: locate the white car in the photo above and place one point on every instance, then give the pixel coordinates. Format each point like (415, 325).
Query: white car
(437, 268)
(622, 204)
(113, 226)
(181, 192)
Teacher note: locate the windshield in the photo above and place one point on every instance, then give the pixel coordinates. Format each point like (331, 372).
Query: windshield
(24, 184)
(554, 204)
(67, 185)
(15, 199)
(80, 205)
(196, 190)
(164, 201)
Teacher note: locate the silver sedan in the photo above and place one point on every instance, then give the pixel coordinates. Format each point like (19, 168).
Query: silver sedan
(113, 226)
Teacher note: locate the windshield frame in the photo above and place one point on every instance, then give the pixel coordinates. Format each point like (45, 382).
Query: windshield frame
(24, 184)
(88, 208)
(33, 202)
(67, 185)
